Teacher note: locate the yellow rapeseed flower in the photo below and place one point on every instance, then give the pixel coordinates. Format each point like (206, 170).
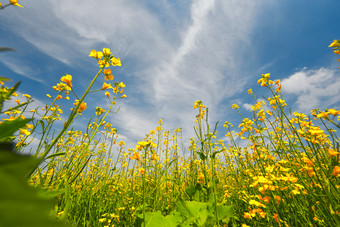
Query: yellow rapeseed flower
(336, 171)
(15, 3)
(96, 54)
(235, 106)
(106, 86)
(121, 84)
(106, 51)
(27, 96)
(67, 79)
(256, 203)
(335, 43)
(333, 112)
(116, 62)
(108, 75)
(332, 152)
(24, 131)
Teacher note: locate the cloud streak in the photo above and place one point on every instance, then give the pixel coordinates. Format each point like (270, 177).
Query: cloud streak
(318, 88)
(167, 68)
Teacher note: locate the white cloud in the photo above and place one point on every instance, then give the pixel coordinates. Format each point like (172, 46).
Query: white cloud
(169, 68)
(21, 68)
(314, 89)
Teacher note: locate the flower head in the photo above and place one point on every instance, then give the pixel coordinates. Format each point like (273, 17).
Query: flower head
(336, 171)
(106, 86)
(335, 43)
(115, 61)
(67, 79)
(106, 51)
(15, 3)
(108, 75)
(96, 54)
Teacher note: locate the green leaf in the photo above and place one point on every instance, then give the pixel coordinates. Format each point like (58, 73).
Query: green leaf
(224, 212)
(203, 157)
(12, 90)
(6, 49)
(4, 79)
(21, 204)
(55, 155)
(195, 213)
(18, 106)
(156, 219)
(8, 128)
(49, 194)
(194, 192)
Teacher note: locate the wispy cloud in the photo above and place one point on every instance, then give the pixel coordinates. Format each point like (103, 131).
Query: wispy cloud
(167, 69)
(21, 68)
(313, 89)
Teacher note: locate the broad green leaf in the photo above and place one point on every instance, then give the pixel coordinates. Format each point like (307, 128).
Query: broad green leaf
(195, 212)
(6, 49)
(55, 155)
(156, 219)
(18, 106)
(4, 78)
(8, 128)
(21, 204)
(224, 212)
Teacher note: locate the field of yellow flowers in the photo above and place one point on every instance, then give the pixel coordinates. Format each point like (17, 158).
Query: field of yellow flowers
(286, 175)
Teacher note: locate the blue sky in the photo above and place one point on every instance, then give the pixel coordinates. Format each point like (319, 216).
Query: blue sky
(174, 53)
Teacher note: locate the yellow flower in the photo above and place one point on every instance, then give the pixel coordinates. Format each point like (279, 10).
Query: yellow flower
(67, 79)
(123, 96)
(335, 43)
(235, 106)
(106, 86)
(106, 51)
(333, 112)
(27, 96)
(254, 202)
(332, 152)
(108, 75)
(322, 115)
(121, 84)
(264, 79)
(142, 171)
(250, 91)
(82, 106)
(103, 64)
(15, 3)
(107, 94)
(336, 171)
(96, 54)
(48, 95)
(24, 131)
(135, 155)
(116, 62)
(99, 111)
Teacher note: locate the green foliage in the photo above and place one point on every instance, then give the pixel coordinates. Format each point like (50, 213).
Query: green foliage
(8, 128)
(188, 213)
(22, 205)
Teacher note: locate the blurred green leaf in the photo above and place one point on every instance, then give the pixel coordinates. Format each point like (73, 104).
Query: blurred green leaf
(4, 79)
(8, 128)
(6, 49)
(21, 204)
